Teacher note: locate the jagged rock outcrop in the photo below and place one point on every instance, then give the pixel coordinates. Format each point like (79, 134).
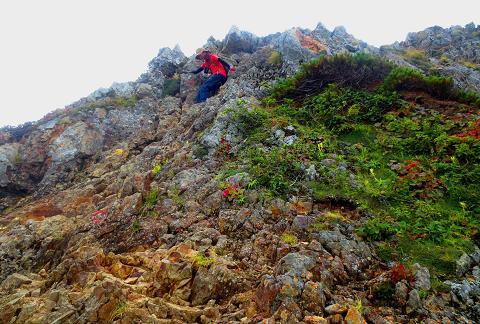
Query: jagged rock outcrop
(453, 52)
(112, 211)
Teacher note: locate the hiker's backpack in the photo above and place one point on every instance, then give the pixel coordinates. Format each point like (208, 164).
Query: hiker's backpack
(226, 66)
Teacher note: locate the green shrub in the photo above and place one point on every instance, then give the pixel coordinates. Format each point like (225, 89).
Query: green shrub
(275, 59)
(119, 310)
(377, 229)
(275, 170)
(402, 78)
(384, 293)
(248, 121)
(418, 58)
(359, 71)
(413, 53)
(338, 107)
(171, 87)
(111, 102)
(200, 151)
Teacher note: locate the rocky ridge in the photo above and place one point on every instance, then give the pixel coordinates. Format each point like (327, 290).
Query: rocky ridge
(111, 210)
(452, 52)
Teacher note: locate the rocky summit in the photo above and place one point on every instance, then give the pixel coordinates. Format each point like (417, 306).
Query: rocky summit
(329, 181)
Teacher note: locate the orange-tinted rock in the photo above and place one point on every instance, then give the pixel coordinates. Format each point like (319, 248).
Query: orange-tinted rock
(315, 320)
(335, 319)
(336, 309)
(40, 211)
(354, 316)
(265, 294)
(310, 42)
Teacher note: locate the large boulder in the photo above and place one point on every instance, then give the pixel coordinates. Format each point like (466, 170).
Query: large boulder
(218, 282)
(237, 41)
(9, 157)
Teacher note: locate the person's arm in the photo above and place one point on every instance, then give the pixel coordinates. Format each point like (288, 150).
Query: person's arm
(200, 69)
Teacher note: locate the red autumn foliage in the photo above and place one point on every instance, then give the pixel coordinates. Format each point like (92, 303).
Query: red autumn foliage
(474, 132)
(99, 216)
(224, 147)
(411, 165)
(399, 273)
(231, 190)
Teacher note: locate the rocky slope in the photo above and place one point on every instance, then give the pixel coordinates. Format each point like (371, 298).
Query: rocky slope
(113, 210)
(452, 52)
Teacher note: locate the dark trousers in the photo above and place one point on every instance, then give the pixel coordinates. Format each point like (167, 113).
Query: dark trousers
(210, 87)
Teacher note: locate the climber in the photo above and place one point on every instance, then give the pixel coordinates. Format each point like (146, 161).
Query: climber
(219, 70)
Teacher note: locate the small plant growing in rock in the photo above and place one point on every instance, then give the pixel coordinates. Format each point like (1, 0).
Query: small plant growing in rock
(423, 293)
(118, 311)
(234, 193)
(200, 151)
(174, 194)
(136, 227)
(119, 151)
(275, 59)
(289, 239)
(359, 306)
(252, 184)
(158, 167)
(203, 261)
(17, 159)
(151, 198)
(224, 148)
(149, 203)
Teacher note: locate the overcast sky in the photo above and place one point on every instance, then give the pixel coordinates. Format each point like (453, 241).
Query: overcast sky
(54, 52)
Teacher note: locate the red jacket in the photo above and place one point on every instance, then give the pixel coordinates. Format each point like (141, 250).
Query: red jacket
(214, 65)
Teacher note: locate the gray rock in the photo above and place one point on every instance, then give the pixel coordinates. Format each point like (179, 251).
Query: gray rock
(455, 44)
(166, 61)
(401, 293)
(465, 290)
(144, 90)
(356, 255)
(187, 178)
(475, 255)
(237, 41)
(77, 139)
(311, 173)
(9, 157)
(463, 264)
(214, 283)
(240, 179)
(289, 140)
(300, 222)
(295, 265)
(290, 130)
(279, 134)
(414, 303)
(328, 162)
(124, 89)
(14, 281)
(291, 50)
(313, 297)
(422, 277)
(224, 127)
(476, 273)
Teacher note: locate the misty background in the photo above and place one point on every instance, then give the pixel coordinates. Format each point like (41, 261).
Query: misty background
(54, 52)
